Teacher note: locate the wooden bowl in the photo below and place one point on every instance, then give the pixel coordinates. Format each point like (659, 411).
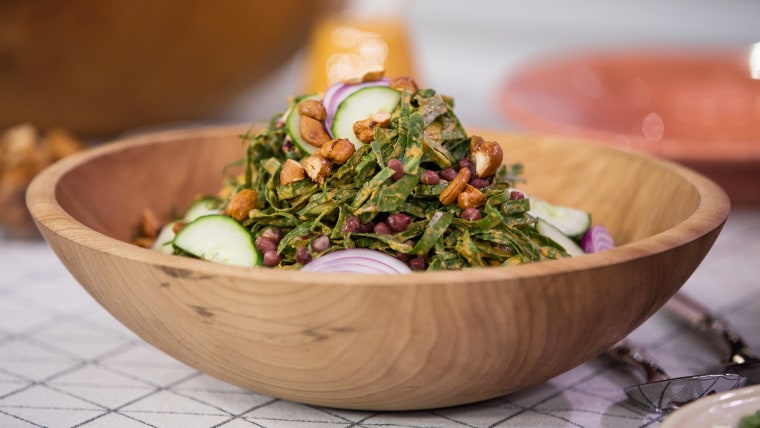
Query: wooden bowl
(423, 340)
(700, 108)
(99, 68)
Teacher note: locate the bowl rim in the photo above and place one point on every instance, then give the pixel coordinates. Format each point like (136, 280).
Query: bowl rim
(710, 213)
(725, 151)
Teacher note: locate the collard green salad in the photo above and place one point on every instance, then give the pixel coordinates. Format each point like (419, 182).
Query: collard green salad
(375, 174)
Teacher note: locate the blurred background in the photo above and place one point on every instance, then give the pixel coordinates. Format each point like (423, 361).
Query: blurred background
(103, 68)
(79, 72)
(468, 48)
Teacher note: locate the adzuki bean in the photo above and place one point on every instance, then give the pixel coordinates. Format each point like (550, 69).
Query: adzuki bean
(264, 244)
(471, 213)
(398, 222)
(397, 166)
(467, 163)
(448, 174)
(320, 243)
(479, 183)
(302, 255)
(271, 258)
(430, 178)
(382, 228)
(417, 263)
(352, 225)
(273, 233)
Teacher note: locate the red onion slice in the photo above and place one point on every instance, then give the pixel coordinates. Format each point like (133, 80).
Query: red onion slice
(357, 260)
(330, 92)
(596, 239)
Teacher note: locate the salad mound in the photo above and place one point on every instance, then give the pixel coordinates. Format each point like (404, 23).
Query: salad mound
(379, 165)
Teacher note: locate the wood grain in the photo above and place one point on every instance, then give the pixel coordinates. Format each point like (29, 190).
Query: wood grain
(413, 341)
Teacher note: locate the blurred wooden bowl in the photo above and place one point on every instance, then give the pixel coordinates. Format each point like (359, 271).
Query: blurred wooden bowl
(422, 340)
(698, 107)
(98, 68)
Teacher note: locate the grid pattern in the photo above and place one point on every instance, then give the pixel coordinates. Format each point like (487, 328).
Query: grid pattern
(65, 362)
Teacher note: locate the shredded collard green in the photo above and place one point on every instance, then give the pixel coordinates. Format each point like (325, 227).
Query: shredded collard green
(424, 134)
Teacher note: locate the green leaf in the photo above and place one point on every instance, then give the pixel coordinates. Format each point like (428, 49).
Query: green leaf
(391, 197)
(413, 150)
(467, 249)
(435, 229)
(370, 187)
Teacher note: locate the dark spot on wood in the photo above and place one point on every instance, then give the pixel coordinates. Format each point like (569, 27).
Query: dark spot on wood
(315, 334)
(325, 333)
(204, 312)
(182, 273)
(176, 272)
(165, 284)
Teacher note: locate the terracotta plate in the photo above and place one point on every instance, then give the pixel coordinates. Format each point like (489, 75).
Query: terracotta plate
(700, 108)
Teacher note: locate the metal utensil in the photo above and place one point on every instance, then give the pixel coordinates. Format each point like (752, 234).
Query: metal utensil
(741, 359)
(661, 393)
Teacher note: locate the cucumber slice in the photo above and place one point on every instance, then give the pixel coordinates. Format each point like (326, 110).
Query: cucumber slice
(359, 106)
(292, 126)
(550, 231)
(163, 242)
(203, 206)
(218, 238)
(571, 222)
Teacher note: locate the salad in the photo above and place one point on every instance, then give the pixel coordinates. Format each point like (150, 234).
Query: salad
(373, 175)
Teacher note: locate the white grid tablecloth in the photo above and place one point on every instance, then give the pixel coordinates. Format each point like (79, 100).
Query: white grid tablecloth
(65, 362)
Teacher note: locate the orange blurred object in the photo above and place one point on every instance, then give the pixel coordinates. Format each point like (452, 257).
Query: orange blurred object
(342, 45)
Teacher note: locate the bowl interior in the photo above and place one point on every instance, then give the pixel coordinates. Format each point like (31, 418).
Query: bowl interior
(109, 192)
